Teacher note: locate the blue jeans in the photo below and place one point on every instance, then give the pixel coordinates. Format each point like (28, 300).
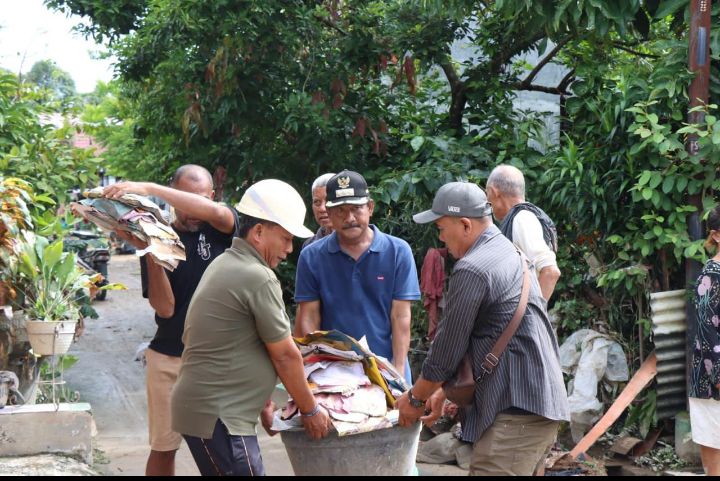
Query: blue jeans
(225, 454)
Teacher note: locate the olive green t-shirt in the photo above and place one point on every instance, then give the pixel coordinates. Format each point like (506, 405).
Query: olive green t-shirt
(226, 371)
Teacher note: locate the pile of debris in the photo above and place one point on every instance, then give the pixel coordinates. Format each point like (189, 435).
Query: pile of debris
(357, 388)
(562, 463)
(138, 216)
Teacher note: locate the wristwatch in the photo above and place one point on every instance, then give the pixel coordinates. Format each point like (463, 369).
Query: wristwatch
(416, 403)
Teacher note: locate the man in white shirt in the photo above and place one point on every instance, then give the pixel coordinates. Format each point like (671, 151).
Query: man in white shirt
(526, 225)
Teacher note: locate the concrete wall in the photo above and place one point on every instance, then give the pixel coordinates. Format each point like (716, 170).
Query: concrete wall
(39, 428)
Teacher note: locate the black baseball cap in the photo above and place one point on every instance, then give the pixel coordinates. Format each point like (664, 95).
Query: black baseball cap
(347, 187)
(456, 199)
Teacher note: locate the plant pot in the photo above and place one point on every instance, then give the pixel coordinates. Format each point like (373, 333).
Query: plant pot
(49, 338)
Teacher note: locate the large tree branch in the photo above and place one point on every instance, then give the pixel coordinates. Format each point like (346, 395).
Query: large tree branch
(538, 88)
(506, 54)
(561, 89)
(565, 82)
(620, 46)
(533, 73)
(458, 89)
(451, 75)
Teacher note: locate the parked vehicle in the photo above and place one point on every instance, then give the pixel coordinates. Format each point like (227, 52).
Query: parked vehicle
(120, 246)
(93, 251)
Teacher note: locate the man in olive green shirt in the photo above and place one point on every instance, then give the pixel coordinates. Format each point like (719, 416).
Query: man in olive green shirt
(237, 341)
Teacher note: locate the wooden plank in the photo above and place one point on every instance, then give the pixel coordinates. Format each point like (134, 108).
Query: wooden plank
(625, 444)
(645, 374)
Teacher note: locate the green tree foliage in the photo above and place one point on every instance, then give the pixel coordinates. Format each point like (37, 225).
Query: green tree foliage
(620, 180)
(105, 117)
(109, 20)
(55, 84)
(38, 154)
(292, 89)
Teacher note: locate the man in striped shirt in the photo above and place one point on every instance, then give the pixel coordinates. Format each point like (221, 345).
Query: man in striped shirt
(517, 409)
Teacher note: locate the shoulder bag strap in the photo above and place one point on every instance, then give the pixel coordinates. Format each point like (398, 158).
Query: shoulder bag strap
(493, 357)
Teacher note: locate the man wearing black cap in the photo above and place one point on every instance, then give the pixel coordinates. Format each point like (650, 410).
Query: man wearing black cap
(515, 414)
(358, 280)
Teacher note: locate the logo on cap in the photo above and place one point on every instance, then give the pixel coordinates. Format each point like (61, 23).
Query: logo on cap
(344, 182)
(452, 208)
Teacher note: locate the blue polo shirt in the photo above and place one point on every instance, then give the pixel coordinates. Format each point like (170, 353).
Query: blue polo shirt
(356, 297)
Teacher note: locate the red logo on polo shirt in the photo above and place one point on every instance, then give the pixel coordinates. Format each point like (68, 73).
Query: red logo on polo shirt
(381, 278)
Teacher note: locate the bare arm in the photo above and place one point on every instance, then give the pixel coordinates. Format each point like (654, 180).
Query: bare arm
(288, 363)
(528, 236)
(308, 318)
(196, 206)
(400, 317)
(548, 278)
(160, 293)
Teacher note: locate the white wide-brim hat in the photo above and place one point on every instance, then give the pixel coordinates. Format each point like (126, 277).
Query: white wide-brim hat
(278, 202)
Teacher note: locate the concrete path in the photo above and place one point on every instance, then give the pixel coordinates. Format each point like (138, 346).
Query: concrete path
(110, 380)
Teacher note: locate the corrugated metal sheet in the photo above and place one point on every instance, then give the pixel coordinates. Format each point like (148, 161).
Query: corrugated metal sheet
(669, 327)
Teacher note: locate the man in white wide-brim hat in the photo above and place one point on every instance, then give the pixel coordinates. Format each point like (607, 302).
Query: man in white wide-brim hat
(237, 341)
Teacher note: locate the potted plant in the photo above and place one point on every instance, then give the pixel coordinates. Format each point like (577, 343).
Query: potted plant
(48, 283)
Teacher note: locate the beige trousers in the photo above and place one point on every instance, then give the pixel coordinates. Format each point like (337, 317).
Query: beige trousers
(513, 445)
(162, 373)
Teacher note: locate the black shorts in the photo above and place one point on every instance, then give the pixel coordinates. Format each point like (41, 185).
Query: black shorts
(225, 454)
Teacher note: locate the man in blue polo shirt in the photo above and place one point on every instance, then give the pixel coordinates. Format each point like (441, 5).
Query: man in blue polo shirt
(358, 280)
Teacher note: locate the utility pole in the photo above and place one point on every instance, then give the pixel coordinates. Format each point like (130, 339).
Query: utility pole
(699, 53)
